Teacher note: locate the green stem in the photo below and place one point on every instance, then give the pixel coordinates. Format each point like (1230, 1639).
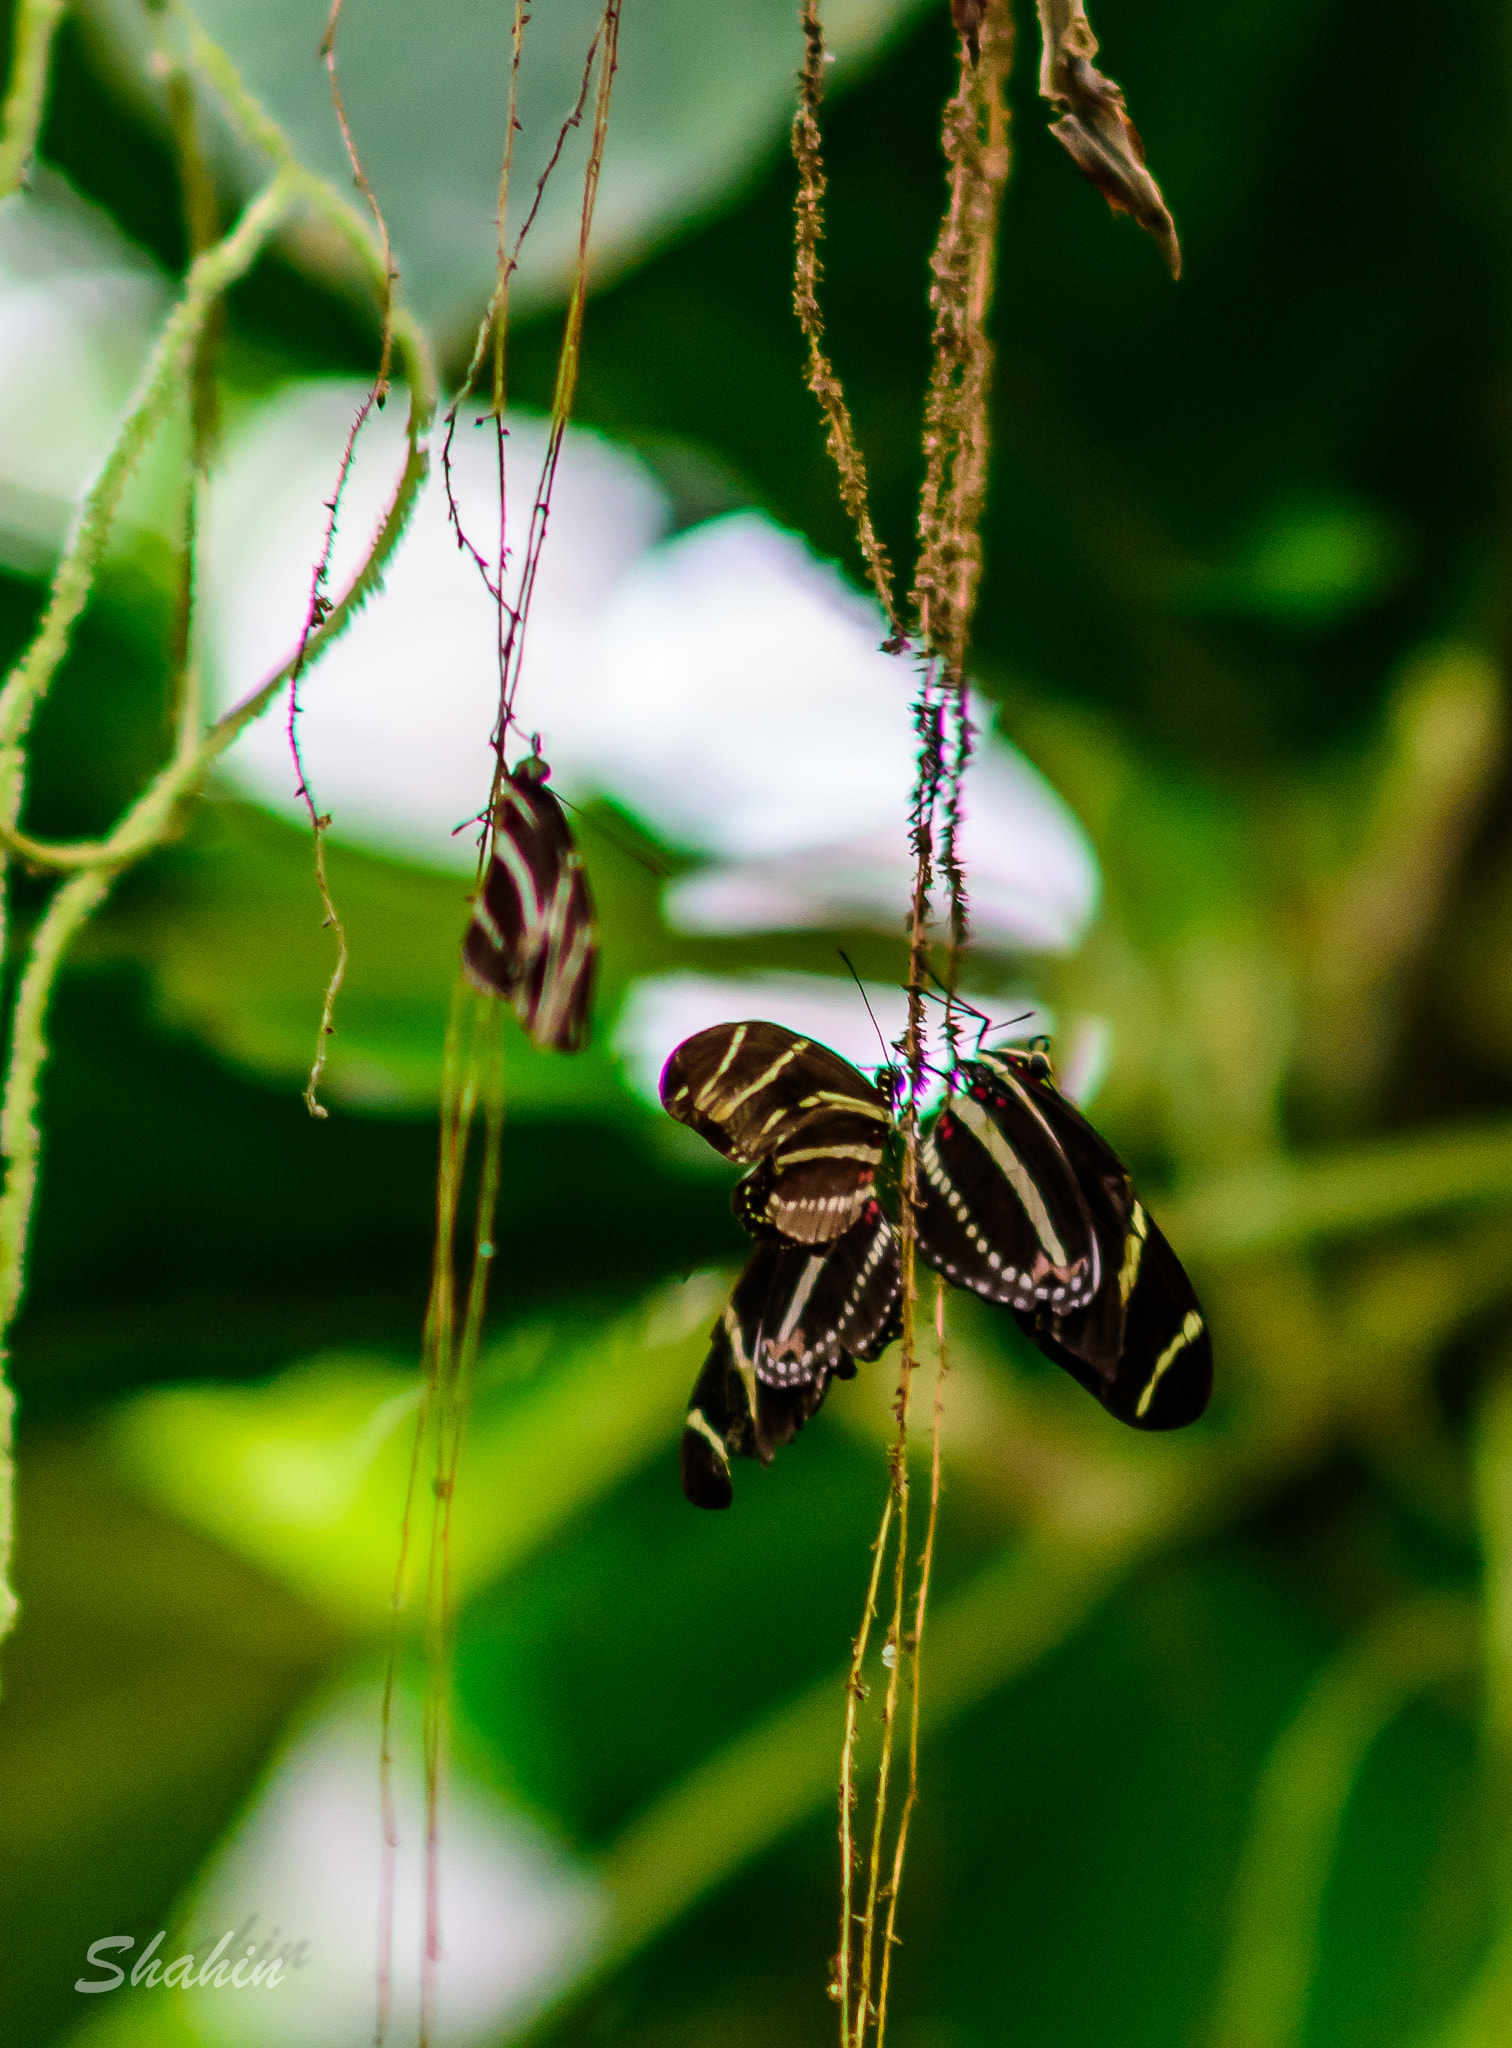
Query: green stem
(1300, 1805)
(75, 900)
(1285, 1202)
(33, 28)
(148, 821)
(20, 1145)
(161, 382)
(145, 824)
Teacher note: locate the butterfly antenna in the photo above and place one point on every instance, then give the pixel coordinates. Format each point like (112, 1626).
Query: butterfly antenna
(861, 988)
(658, 868)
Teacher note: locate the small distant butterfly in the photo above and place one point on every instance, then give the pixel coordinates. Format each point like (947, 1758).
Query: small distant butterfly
(798, 1318)
(812, 1126)
(532, 938)
(1023, 1202)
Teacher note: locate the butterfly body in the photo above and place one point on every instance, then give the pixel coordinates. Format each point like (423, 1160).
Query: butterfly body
(532, 938)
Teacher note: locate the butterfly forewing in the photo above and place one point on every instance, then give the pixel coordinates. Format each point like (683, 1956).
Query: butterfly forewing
(761, 1093)
(532, 937)
(999, 1206)
(1140, 1344)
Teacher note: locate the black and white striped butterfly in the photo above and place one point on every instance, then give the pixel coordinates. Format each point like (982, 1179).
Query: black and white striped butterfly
(1020, 1200)
(1023, 1202)
(532, 938)
(799, 1317)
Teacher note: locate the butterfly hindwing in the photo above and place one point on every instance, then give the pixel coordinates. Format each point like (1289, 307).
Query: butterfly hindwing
(1161, 1374)
(806, 1309)
(760, 1093)
(532, 937)
(797, 1319)
(733, 1414)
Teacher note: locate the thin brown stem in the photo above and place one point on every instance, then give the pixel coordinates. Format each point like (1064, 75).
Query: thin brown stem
(866, 2004)
(855, 1694)
(318, 604)
(912, 1646)
(808, 268)
(943, 598)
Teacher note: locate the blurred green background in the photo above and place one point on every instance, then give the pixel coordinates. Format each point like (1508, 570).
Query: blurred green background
(1219, 1729)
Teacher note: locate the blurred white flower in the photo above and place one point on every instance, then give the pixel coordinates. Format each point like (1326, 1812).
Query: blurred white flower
(395, 721)
(78, 310)
(724, 685)
(519, 1917)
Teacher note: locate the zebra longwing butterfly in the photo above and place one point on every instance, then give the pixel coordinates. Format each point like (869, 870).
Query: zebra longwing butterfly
(797, 1319)
(812, 1126)
(1023, 1202)
(532, 937)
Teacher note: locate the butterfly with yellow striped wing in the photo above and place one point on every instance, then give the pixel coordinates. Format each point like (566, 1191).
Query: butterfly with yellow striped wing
(1020, 1200)
(1023, 1202)
(532, 938)
(799, 1317)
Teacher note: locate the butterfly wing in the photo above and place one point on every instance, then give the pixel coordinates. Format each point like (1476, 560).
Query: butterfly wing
(811, 1308)
(761, 1093)
(733, 1414)
(1141, 1344)
(1000, 1209)
(797, 1319)
(532, 938)
(1161, 1374)
(555, 1001)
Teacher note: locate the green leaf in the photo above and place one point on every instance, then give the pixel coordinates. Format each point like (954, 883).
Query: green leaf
(306, 1476)
(239, 955)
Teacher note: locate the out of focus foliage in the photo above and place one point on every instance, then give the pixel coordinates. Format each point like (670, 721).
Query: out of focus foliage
(1219, 1732)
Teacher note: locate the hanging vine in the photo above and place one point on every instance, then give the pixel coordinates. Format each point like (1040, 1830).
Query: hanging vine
(936, 624)
(176, 383)
(940, 606)
(472, 1098)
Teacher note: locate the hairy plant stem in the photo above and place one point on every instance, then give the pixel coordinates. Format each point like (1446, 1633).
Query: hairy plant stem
(176, 375)
(840, 432)
(34, 26)
(974, 139)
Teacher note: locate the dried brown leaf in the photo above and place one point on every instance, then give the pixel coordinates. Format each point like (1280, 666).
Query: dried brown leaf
(1095, 125)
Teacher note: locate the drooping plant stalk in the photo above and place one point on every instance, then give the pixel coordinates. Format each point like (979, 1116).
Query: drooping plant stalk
(472, 1105)
(840, 432)
(375, 398)
(176, 381)
(942, 600)
(34, 26)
